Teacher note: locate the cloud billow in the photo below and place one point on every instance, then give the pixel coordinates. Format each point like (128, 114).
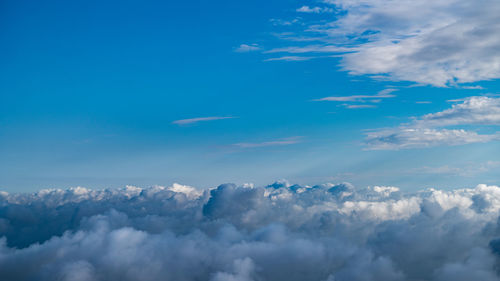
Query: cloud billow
(279, 232)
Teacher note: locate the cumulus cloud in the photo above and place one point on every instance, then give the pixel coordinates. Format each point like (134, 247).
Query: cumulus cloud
(428, 131)
(441, 43)
(200, 119)
(279, 232)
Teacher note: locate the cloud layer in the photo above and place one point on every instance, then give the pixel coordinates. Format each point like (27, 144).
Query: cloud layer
(279, 232)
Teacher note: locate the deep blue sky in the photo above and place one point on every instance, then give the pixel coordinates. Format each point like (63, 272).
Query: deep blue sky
(89, 91)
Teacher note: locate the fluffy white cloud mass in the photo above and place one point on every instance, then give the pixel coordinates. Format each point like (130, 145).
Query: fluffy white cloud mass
(436, 42)
(279, 232)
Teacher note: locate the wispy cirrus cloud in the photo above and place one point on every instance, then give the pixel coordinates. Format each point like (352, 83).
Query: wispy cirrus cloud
(285, 22)
(386, 93)
(477, 87)
(290, 58)
(429, 130)
(310, 49)
(314, 10)
(200, 119)
(245, 48)
(280, 142)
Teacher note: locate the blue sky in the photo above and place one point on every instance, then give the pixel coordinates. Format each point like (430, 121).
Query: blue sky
(142, 93)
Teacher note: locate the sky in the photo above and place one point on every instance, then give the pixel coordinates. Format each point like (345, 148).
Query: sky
(396, 93)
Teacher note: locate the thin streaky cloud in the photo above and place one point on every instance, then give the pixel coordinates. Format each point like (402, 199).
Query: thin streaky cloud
(311, 49)
(357, 106)
(245, 48)
(290, 58)
(386, 93)
(200, 119)
(477, 87)
(280, 142)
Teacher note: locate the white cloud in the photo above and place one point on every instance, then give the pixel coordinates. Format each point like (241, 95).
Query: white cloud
(407, 137)
(285, 22)
(473, 110)
(290, 58)
(309, 49)
(200, 119)
(279, 232)
(477, 87)
(245, 48)
(386, 93)
(315, 10)
(427, 130)
(441, 43)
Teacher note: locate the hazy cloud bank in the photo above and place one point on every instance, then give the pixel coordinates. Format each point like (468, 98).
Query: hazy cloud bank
(279, 232)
